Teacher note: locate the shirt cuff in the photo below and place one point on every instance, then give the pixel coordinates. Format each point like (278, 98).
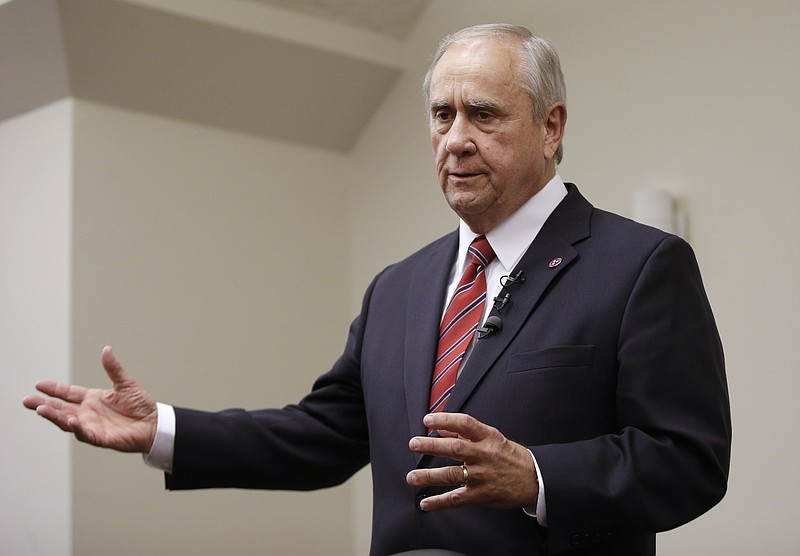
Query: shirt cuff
(540, 511)
(161, 452)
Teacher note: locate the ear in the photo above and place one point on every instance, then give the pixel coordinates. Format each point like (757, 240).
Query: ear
(554, 125)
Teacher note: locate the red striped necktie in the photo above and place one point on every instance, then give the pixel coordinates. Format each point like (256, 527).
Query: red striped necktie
(460, 322)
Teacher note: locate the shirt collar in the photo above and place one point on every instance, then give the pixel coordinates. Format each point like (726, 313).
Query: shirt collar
(511, 238)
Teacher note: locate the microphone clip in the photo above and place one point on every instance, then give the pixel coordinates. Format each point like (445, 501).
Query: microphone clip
(518, 278)
(493, 325)
(500, 302)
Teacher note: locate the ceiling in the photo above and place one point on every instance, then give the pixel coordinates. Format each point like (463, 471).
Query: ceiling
(393, 18)
(309, 72)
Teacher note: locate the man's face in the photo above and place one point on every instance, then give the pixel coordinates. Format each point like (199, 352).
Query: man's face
(490, 154)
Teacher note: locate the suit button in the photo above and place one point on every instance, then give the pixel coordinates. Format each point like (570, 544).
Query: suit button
(420, 498)
(588, 538)
(575, 540)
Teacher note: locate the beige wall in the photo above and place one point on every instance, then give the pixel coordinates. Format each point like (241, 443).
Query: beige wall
(197, 254)
(697, 97)
(206, 259)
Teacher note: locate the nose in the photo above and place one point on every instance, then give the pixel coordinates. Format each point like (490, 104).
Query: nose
(460, 137)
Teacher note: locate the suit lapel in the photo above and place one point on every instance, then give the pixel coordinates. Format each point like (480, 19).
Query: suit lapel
(425, 306)
(568, 224)
(550, 254)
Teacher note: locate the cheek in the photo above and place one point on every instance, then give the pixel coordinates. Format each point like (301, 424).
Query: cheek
(508, 159)
(439, 151)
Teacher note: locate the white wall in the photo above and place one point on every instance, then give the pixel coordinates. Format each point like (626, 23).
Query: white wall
(699, 97)
(35, 221)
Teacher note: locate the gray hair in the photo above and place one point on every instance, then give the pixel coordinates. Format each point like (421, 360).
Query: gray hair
(540, 69)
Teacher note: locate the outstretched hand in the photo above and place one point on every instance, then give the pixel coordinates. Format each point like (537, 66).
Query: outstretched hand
(500, 473)
(123, 418)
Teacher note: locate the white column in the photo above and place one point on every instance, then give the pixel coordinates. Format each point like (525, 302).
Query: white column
(35, 230)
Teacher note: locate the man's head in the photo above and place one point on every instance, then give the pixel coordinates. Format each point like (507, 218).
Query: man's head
(497, 111)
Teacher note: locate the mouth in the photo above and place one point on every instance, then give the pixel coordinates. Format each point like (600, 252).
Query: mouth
(463, 175)
(464, 180)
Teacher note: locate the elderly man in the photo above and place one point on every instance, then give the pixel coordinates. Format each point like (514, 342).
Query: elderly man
(546, 379)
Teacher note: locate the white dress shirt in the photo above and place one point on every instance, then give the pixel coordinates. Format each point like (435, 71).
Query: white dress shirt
(509, 240)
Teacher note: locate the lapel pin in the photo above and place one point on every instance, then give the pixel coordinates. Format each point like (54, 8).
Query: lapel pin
(555, 262)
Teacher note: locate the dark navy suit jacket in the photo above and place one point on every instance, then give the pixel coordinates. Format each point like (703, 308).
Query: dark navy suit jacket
(608, 367)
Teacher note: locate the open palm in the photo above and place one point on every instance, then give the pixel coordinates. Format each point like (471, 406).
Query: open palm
(123, 418)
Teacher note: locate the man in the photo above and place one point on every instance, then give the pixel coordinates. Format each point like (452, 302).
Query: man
(546, 379)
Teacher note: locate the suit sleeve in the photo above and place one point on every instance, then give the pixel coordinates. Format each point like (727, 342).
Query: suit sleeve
(668, 460)
(317, 443)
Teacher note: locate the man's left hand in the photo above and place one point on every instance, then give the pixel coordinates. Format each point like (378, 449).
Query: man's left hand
(500, 472)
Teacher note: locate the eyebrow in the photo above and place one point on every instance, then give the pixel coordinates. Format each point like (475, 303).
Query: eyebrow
(483, 105)
(473, 104)
(438, 104)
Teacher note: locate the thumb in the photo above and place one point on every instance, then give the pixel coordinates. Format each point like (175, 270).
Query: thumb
(114, 368)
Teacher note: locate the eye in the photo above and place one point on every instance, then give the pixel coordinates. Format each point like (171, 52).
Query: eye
(483, 116)
(441, 115)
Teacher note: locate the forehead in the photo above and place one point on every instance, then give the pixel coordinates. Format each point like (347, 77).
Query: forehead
(478, 68)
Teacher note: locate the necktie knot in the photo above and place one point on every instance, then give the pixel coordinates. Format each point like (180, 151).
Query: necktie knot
(481, 252)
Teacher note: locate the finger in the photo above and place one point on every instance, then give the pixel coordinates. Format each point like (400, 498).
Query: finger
(59, 418)
(452, 499)
(440, 476)
(67, 392)
(454, 448)
(447, 434)
(35, 402)
(84, 435)
(459, 424)
(114, 368)
(32, 402)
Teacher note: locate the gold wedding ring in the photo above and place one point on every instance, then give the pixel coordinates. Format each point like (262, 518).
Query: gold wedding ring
(466, 475)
